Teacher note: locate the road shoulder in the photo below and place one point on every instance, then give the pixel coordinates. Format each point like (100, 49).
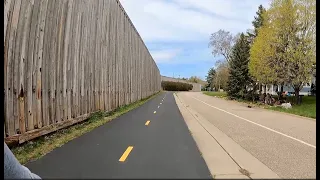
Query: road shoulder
(224, 157)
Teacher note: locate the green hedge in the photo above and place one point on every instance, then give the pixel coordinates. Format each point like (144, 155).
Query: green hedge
(176, 86)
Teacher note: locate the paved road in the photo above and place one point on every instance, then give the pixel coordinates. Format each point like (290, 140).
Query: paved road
(284, 143)
(162, 149)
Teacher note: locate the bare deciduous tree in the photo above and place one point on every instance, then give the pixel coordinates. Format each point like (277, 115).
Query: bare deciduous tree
(222, 42)
(222, 74)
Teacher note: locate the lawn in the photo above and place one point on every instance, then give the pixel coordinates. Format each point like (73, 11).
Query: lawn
(215, 94)
(306, 109)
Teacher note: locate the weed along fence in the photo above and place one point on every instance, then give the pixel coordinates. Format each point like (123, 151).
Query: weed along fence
(65, 59)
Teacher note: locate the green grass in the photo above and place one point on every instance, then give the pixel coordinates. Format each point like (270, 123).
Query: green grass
(215, 94)
(37, 148)
(307, 107)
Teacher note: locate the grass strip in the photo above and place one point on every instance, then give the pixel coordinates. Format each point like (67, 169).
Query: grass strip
(306, 109)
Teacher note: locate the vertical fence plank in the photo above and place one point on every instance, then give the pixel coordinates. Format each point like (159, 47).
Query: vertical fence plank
(104, 51)
(8, 65)
(82, 59)
(66, 106)
(99, 50)
(53, 59)
(91, 56)
(46, 64)
(7, 8)
(37, 59)
(76, 60)
(117, 56)
(25, 69)
(95, 56)
(125, 60)
(114, 58)
(129, 62)
(31, 83)
(120, 55)
(109, 54)
(86, 63)
(16, 70)
(69, 56)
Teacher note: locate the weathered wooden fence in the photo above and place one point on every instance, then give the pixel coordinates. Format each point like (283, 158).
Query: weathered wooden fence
(65, 59)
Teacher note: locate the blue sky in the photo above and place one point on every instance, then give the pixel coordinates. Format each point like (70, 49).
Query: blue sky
(177, 32)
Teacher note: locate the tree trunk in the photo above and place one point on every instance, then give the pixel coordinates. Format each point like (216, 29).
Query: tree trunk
(260, 88)
(254, 91)
(281, 93)
(296, 92)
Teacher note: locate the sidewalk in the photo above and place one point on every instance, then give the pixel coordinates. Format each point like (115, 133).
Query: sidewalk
(224, 157)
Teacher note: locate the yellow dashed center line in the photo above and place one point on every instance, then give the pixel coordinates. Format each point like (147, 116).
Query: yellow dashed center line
(160, 103)
(155, 112)
(147, 123)
(126, 154)
(158, 106)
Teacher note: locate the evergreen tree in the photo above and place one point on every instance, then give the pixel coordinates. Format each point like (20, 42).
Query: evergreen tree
(257, 23)
(239, 78)
(210, 77)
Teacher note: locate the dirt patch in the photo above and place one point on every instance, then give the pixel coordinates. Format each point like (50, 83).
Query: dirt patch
(244, 172)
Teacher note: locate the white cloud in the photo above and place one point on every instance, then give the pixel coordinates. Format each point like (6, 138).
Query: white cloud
(181, 56)
(188, 22)
(164, 56)
(232, 9)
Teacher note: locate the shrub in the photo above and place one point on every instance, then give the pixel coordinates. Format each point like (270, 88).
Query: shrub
(176, 86)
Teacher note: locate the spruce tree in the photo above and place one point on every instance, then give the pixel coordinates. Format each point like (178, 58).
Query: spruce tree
(210, 77)
(256, 23)
(238, 69)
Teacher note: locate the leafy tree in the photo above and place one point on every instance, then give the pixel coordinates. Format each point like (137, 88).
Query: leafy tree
(284, 50)
(194, 79)
(210, 77)
(222, 42)
(252, 34)
(176, 86)
(238, 69)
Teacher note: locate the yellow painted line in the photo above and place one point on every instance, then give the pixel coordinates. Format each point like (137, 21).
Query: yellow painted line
(162, 100)
(126, 154)
(158, 106)
(155, 112)
(160, 103)
(147, 123)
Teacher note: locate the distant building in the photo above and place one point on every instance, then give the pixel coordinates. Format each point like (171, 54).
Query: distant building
(306, 89)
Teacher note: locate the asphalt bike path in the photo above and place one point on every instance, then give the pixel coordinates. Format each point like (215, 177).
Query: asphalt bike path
(151, 141)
